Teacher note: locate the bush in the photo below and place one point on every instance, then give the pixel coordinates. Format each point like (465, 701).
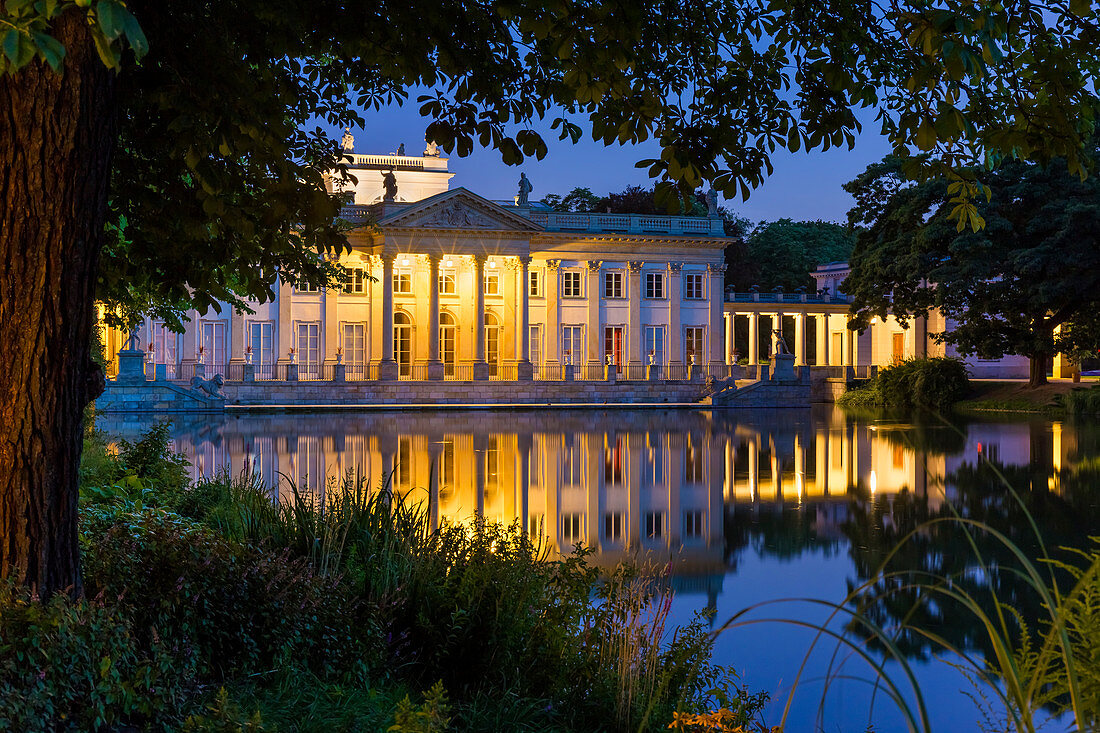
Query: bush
(933, 383)
(76, 665)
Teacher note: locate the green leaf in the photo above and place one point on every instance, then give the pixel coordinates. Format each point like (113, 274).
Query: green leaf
(111, 18)
(51, 49)
(926, 135)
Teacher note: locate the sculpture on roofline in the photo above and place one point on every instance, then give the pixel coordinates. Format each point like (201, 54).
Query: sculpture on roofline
(712, 203)
(431, 150)
(389, 183)
(401, 149)
(525, 189)
(347, 142)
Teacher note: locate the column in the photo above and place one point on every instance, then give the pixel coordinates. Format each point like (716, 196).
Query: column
(920, 336)
(729, 337)
(508, 338)
(435, 365)
(284, 328)
(864, 347)
(524, 369)
(800, 339)
(523, 447)
(552, 332)
(481, 368)
(330, 323)
(777, 324)
(821, 332)
(634, 327)
(387, 367)
(675, 297)
(594, 330)
(754, 339)
(715, 332)
(236, 337)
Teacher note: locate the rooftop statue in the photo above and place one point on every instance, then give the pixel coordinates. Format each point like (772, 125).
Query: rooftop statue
(525, 189)
(401, 149)
(431, 150)
(712, 203)
(389, 182)
(347, 142)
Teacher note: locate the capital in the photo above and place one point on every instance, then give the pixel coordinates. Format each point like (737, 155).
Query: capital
(716, 268)
(553, 264)
(594, 265)
(635, 266)
(675, 266)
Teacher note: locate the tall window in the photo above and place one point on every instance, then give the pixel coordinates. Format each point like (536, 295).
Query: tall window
(492, 283)
(534, 345)
(655, 285)
(492, 343)
(613, 344)
(165, 349)
(694, 286)
(355, 344)
(261, 339)
(402, 281)
(447, 284)
(447, 338)
(612, 285)
(402, 343)
(309, 349)
(695, 343)
(534, 284)
(212, 341)
(655, 344)
(572, 345)
(355, 281)
(572, 284)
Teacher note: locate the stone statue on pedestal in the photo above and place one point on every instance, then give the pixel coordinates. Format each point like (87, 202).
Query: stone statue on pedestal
(401, 149)
(525, 189)
(347, 142)
(780, 342)
(389, 183)
(431, 150)
(712, 203)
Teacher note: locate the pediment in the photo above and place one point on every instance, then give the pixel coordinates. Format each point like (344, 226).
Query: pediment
(458, 209)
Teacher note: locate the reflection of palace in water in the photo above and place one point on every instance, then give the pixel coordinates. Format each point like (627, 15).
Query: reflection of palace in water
(649, 482)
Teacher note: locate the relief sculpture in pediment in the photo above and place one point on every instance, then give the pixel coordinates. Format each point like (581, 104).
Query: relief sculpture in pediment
(460, 217)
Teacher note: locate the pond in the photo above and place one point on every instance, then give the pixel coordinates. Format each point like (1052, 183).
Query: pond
(748, 508)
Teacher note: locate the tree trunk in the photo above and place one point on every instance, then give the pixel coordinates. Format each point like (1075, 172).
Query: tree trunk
(56, 136)
(1038, 371)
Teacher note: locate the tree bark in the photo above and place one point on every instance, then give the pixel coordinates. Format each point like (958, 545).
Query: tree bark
(57, 133)
(1037, 375)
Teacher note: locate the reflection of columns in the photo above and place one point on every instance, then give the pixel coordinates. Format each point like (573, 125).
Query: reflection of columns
(481, 369)
(523, 448)
(634, 493)
(387, 367)
(717, 446)
(799, 467)
(552, 332)
(676, 450)
(716, 275)
(675, 296)
(634, 327)
(754, 338)
(594, 311)
(594, 488)
(435, 466)
(481, 447)
(752, 445)
(435, 366)
(800, 339)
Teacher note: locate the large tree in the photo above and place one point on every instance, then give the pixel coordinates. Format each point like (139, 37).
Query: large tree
(1006, 288)
(193, 165)
(781, 254)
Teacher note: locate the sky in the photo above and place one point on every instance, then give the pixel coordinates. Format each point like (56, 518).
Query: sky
(805, 186)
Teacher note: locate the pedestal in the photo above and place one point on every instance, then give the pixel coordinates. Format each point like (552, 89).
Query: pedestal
(249, 373)
(567, 373)
(610, 373)
(339, 372)
(525, 371)
(131, 366)
(481, 371)
(292, 372)
(436, 371)
(387, 370)
(200, 371)
(160, 372)
(783, 367)
(653, 372)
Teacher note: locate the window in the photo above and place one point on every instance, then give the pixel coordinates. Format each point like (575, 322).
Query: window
(694, 524)
(534, 345)
(355, 281)
(655, 285)
(402, 343)
(572, 526)
(447, 285)
(613, 526)
(447, 334)
(654, 525)
(694, 344)
(212, 344)
(572, 284)
(492, 283)
(164, 345)
(612, 285)
(613, 346)
(534, 284)
(261, 341)
(694, 286)
(305, 289)
(655, 344)
(355, 344)
(572, 345)
(309, 348)
(402, 281)
(492, 343)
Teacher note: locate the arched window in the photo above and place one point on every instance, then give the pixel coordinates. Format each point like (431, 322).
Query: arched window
(492, 343)
(448, 330)
(402, 343)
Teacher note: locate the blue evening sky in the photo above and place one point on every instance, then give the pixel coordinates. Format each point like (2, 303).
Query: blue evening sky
(804, 186)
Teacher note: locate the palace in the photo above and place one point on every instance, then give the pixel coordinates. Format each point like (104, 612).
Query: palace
(443, 284)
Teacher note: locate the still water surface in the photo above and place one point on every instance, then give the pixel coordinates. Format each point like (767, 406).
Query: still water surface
(750, 508)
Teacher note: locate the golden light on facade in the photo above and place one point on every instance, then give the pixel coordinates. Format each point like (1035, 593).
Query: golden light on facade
(449, 263)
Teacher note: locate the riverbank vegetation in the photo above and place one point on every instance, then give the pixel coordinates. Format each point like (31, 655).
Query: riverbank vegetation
(933, 382)
(211, 607)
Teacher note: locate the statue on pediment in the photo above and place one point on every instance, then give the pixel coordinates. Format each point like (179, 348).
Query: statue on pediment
(389, 183)
(347, 142)
(712, 203)
(525, 189)
(431, 150)
(401, 149)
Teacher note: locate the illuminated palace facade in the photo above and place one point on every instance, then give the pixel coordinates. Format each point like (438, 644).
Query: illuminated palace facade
(444, 284)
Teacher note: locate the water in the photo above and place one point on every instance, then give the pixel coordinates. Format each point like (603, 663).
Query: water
(749, 507)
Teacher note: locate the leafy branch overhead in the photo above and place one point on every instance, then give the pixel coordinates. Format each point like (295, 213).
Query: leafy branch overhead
(219, 146)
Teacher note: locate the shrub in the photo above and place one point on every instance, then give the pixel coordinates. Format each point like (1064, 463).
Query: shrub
(933, 382)
(226, 608)
(76, 665)
(145, 469)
